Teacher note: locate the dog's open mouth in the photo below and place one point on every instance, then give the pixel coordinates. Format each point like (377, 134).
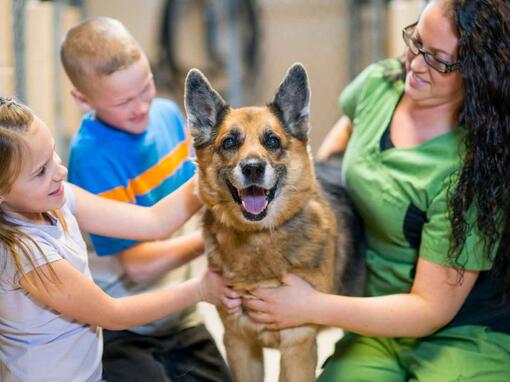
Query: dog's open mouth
(253, 200)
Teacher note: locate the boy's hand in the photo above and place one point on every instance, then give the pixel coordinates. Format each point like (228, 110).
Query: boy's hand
(214, 289)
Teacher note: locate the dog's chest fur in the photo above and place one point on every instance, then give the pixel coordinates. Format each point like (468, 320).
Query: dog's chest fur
(304, 245)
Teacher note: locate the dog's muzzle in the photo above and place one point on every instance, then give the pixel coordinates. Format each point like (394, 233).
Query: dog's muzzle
(253, 199)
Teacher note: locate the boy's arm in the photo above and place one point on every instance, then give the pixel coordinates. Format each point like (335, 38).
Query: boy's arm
(77, 297)
(106, 217)
(149, 260)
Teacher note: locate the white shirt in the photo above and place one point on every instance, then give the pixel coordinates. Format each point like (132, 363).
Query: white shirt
(38, 344)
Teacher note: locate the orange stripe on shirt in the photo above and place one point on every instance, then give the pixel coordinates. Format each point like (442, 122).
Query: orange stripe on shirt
(151, 178)
(120, 193)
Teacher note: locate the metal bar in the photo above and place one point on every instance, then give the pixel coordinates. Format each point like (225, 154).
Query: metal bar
(18, 20)
(354, 33)
(234, 64)
(60, 142)
(379, 32)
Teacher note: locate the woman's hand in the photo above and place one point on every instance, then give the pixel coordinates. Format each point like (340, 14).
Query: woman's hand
(283, 307)
(336, 140)
(214, 290)
(435, 298)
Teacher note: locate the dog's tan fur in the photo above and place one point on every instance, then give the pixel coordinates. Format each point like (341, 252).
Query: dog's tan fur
(299, 233)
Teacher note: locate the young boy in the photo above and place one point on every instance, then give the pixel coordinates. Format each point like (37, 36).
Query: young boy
(133, 147)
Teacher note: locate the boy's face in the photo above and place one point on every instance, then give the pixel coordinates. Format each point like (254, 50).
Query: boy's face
(123, 98)
(39, 185)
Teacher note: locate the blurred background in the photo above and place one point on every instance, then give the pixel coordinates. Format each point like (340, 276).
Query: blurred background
(243, 46)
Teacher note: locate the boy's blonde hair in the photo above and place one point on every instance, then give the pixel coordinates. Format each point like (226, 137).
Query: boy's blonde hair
(97, 47)
(15, 121)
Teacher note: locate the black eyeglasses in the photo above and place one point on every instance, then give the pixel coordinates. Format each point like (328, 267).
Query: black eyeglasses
(431, 60)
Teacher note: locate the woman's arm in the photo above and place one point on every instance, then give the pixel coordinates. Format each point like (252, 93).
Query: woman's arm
(435, 298)
(77, 297)
(336, 140)
(107, 217)
(151, 259)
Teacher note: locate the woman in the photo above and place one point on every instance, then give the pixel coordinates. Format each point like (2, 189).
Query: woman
(427, 166)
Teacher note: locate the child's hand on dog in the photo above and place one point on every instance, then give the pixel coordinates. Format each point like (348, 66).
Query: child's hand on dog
(282, 307)
(214, 289)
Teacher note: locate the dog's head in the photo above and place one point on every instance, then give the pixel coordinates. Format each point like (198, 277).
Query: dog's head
(254, 163)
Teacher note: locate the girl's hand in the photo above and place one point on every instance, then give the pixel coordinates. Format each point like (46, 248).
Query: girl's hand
(283, 307)
(214, 290)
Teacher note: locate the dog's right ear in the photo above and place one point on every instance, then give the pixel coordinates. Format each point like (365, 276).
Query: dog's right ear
(291, 103)
(204, 108)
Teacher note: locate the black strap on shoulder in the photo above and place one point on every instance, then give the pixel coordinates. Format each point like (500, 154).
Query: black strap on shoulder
(386, 142)
(413, 225)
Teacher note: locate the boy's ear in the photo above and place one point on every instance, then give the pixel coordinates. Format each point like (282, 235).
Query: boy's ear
(81, 101)
(204, 108)
(291, 102)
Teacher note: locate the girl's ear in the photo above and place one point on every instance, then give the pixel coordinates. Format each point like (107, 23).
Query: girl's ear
(81, 101)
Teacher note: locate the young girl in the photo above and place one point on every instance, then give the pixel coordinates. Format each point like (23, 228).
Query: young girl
(50, 310)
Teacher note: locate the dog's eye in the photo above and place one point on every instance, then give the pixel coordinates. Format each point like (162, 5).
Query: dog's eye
(272, 142)
(229, 143)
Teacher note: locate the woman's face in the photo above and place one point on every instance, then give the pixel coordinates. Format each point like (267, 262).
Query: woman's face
(436, 34)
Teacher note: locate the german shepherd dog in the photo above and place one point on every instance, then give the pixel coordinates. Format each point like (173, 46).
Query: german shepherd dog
(267, 215)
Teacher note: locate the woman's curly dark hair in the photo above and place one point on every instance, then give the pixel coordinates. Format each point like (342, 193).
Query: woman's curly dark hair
(484, 179)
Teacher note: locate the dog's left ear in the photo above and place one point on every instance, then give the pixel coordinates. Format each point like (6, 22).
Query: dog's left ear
(204, 108)
(292, 102)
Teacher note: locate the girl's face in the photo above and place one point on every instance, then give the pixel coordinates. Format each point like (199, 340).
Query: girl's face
(39, 185)
(436, 34)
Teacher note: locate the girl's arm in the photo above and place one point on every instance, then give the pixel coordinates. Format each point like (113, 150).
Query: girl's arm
(148, 260)
(77, 297)
(435, 298)
(336, 140)
(107, 217)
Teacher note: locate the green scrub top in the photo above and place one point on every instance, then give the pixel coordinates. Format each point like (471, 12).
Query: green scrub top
(394, 189)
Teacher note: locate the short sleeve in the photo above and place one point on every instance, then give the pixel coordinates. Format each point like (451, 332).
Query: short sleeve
(176, 113)
(175, 123)
(70, 197)
(41, 254)
(436, 238)
(95, 175)
(106, 246)
(87, 177)
(350, 96)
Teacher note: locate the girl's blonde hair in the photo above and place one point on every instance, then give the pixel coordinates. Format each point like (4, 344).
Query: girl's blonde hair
(15, 121)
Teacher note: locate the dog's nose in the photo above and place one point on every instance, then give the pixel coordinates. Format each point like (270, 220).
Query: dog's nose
(253, 171)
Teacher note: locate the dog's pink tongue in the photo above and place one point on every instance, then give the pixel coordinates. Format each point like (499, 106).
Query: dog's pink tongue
(254, 204)
(254, 200)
